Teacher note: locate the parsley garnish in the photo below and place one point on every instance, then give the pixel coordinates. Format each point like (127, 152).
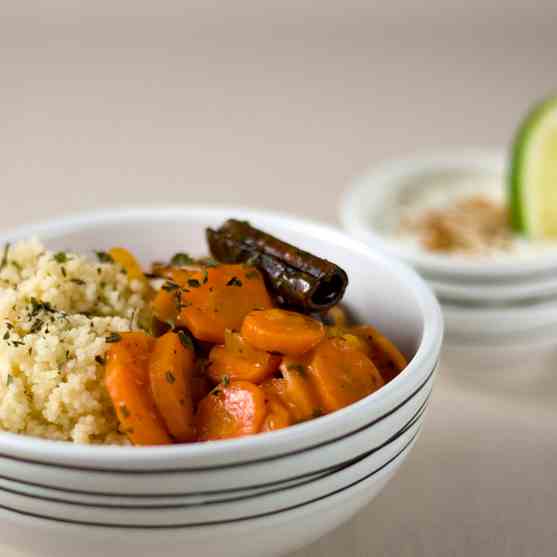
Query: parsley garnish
(64, 274)
(9, 380)
(5, 256)
(6, 335)
(78, 281)
(186, 340)
(194, 283)
(104, 257)
(170, 286)
(252, 275)
(225, 380)
(169, 376)
(301, 369)
(181, 260)
(38, 306)
(61, 257)
(114, 337)
(234, 281)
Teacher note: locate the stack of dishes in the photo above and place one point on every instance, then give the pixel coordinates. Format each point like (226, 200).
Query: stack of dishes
(268, 493)
(500, 298)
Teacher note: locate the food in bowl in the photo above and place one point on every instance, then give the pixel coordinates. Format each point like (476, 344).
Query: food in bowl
(249, 341)
(479, 215)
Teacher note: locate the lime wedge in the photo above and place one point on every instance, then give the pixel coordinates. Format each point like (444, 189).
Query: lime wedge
(533, 173)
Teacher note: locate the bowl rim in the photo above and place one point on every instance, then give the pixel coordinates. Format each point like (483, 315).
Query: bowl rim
(246, 449)
(389, 175)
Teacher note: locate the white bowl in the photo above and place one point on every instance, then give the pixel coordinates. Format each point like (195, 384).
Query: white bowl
(278, 533)
(174, 514)
(506, 324)
(486, 294)
(382, 292)
(214, 480)
(365, 202)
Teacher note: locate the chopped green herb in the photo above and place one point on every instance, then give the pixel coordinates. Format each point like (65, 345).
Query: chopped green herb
(6, 335)
(182, 305)
(100, 360)
(216, 392)
(114, 337)
(205, 276)
(4, 261)
(9, 325)
(194, 283)
(63, 269)
(9, 380)
(38, 306)
(226, 380)
(78, 281)
(181, 260)
(252, 260)
(104, 257)
(124, 410)
(36, 326)
(301, 369)
(210, 262)
(170, 286)
(234, 281)
(170, 378)
(16, 265)
(186, 340)
(250, 275)
(61, 257)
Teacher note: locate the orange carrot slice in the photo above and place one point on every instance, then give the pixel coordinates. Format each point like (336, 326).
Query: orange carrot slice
(170, 371)
(212, 300)
(127, 260)
(231, 411)
(127, 381)
(278, 330)
(278, 416)
(384, 354)
(296, 391)
(342, 374)
(238, 361)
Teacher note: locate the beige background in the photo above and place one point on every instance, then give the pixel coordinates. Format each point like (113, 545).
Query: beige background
(281, 105)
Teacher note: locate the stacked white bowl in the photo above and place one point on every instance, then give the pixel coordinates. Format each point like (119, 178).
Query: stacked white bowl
(265, 494)
(504, 299)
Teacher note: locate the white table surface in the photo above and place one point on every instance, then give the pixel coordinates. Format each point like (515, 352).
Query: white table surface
(282, 113)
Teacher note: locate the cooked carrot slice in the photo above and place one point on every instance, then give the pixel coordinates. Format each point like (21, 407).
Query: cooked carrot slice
(127, 260)
(127, 381)
(234, 410)
(238, 361)
(383, 353)
(342, 374)
(212, 300)
(296, 391)
(278, 416)
(170, 371)
(286, 332)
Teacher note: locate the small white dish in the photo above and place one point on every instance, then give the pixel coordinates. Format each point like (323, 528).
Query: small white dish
(500, 324)
(367, 202)
(489, 294)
